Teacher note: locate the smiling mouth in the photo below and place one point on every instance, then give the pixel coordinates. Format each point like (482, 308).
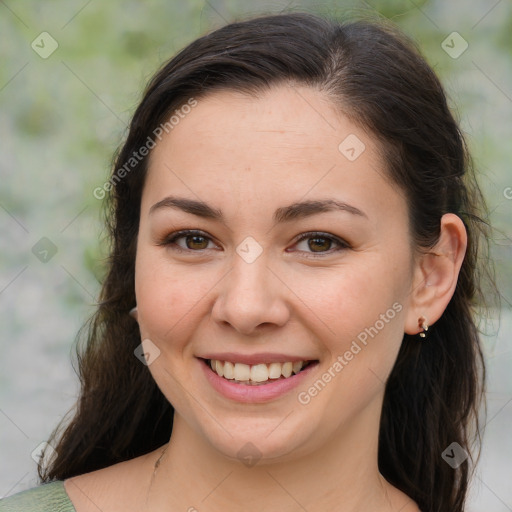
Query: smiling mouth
(257, 374)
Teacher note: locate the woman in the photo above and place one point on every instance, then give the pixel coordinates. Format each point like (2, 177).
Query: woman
(287, 319)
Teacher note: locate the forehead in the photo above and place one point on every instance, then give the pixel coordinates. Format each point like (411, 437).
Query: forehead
(287, 142)
(303, 117)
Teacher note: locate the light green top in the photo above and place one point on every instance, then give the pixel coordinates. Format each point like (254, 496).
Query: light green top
(50, 497)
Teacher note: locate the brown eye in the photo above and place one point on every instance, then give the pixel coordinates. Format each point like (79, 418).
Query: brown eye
(194, 241)
(320, 244)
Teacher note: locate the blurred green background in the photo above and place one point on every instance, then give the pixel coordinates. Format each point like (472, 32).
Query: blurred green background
(63, 114)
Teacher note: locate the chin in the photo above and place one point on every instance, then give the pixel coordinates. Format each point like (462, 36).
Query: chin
(260, 441)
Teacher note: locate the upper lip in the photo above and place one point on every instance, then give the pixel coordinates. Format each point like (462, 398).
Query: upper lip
(251, 359)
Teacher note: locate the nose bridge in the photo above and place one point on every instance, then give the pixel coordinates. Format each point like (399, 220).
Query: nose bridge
(251, 296)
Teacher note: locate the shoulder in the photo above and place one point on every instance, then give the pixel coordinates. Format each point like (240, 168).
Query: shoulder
(121, 486)
(50, 497)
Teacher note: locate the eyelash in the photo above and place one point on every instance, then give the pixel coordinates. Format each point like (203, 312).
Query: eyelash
(170, 241)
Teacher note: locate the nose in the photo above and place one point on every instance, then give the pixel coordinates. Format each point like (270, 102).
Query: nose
(251, 298)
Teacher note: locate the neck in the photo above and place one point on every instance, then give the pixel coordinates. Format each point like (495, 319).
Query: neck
(341, 475)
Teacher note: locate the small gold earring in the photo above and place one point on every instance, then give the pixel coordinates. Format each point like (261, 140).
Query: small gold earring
(423, 324)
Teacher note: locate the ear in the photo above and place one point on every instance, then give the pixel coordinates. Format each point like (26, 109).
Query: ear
(436, 273)
(134, 313)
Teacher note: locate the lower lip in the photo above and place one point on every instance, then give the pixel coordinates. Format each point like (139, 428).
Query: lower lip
(254, 394)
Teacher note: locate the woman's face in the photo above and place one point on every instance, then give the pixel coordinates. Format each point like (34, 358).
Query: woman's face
(244, 289)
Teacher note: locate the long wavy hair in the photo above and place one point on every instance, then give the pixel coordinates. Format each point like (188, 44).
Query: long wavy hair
(377, 77)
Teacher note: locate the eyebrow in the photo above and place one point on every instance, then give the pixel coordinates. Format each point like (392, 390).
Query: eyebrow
(294, 211)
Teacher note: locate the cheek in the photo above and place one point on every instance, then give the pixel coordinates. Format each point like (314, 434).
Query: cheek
(164, 295)
(365, 312)
(366, 319)
(172, 299)
(348, 300)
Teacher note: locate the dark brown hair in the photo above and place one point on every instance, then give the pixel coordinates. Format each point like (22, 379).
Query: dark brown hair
(376, 77)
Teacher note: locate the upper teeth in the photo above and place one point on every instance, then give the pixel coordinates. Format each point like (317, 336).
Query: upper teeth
(255, 373)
